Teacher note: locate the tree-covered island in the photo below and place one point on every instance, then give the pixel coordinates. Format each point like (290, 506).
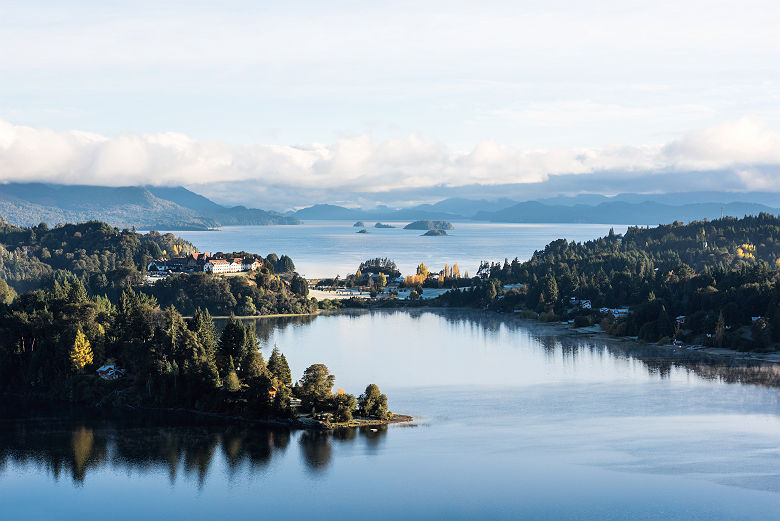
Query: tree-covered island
(79, 322)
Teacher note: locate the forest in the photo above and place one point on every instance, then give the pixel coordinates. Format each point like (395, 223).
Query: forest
(710, 283)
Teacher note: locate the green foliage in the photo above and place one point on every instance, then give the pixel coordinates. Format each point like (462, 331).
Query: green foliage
(345, 407)
(278, 367)
(231, 382)
(7, 293)
(299, 286)
(372, 403)
(226, 295)
(232, 342)
(718, 275)
(107, 259)
(315, 388)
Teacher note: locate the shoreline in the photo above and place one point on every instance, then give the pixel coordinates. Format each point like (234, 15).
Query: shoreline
(125, 412)
(693, 350)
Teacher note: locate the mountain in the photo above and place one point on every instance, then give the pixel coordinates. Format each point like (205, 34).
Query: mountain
(184, 197)
(771, 199)
(447, 209)
(174, 208)
(621, 212)
(329, 212)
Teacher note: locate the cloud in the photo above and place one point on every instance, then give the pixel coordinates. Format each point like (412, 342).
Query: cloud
(360, 164)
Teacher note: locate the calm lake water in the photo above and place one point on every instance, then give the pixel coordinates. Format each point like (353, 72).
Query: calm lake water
(512, 422)
(328, 248)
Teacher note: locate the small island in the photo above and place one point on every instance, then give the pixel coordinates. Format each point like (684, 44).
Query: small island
(362, 231)
(359, 224)
(383, 225)
(429, 225)
(434, 233)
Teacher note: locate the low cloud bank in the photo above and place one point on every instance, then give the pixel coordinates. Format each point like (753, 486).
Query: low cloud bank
(745, 152)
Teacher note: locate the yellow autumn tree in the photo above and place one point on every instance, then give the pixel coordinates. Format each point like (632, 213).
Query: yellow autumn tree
(422, 269)
(455, 271)
(81, 352)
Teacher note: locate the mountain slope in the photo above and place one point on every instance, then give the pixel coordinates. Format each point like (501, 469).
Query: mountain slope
(27, 204)
(620, 212)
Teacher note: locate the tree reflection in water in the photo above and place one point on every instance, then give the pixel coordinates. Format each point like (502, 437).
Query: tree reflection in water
(77, 446)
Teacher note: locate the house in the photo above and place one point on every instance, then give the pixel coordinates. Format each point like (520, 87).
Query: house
(158, 267)
(251, 264)
(615, 312)
(217, 266)
(200, 261)
(680, 320)
(582, 304)
(110, 372)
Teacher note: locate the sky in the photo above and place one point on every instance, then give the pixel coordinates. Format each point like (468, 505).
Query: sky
(286, 104)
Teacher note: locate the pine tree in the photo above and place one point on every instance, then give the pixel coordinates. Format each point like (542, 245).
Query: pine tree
(254, 365)
(231, 380)
(720, 330)
(81, 352)
(278, 367)
(232, 342)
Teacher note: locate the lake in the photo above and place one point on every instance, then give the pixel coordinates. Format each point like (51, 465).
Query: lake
(514, 420)
(329, 248)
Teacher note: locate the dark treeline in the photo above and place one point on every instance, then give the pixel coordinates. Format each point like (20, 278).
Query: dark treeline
(52, 341)
(263, 293)
(105, 258)
(710, 282)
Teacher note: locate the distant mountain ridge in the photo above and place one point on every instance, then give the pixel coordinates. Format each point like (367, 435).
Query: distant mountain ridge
(168, 208)
(648, 209)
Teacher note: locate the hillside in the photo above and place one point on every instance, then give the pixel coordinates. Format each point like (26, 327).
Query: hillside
(620, 212)
(169, 208)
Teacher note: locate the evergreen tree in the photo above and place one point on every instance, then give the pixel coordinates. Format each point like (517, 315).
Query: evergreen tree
(254, 365)
(345, 407)
(203, 326)
(278, 367)
(281, 403)
(720, 330)
(232, 342)
(231, 380)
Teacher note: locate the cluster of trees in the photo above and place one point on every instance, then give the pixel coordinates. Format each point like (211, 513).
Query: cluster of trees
(52, 340)
(107, 261)
(105, 258)
(263, 294)
(448, 277)
(714, 282)
(384, 266)
(315, 391)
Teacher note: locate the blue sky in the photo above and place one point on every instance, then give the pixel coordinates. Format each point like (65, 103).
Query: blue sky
(333, 101)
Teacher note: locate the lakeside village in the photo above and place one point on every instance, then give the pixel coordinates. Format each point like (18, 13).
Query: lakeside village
(376, 279)
(205, 262)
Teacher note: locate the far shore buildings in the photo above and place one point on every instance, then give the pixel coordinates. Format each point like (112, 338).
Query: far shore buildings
(202, 262)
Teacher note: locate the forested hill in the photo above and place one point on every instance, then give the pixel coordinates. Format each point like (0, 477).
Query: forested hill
(722, 276)
(101, 255)
(162, 208)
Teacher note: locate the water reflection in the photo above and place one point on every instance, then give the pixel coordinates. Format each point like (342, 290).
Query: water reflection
(74, 447)
(561, 346)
